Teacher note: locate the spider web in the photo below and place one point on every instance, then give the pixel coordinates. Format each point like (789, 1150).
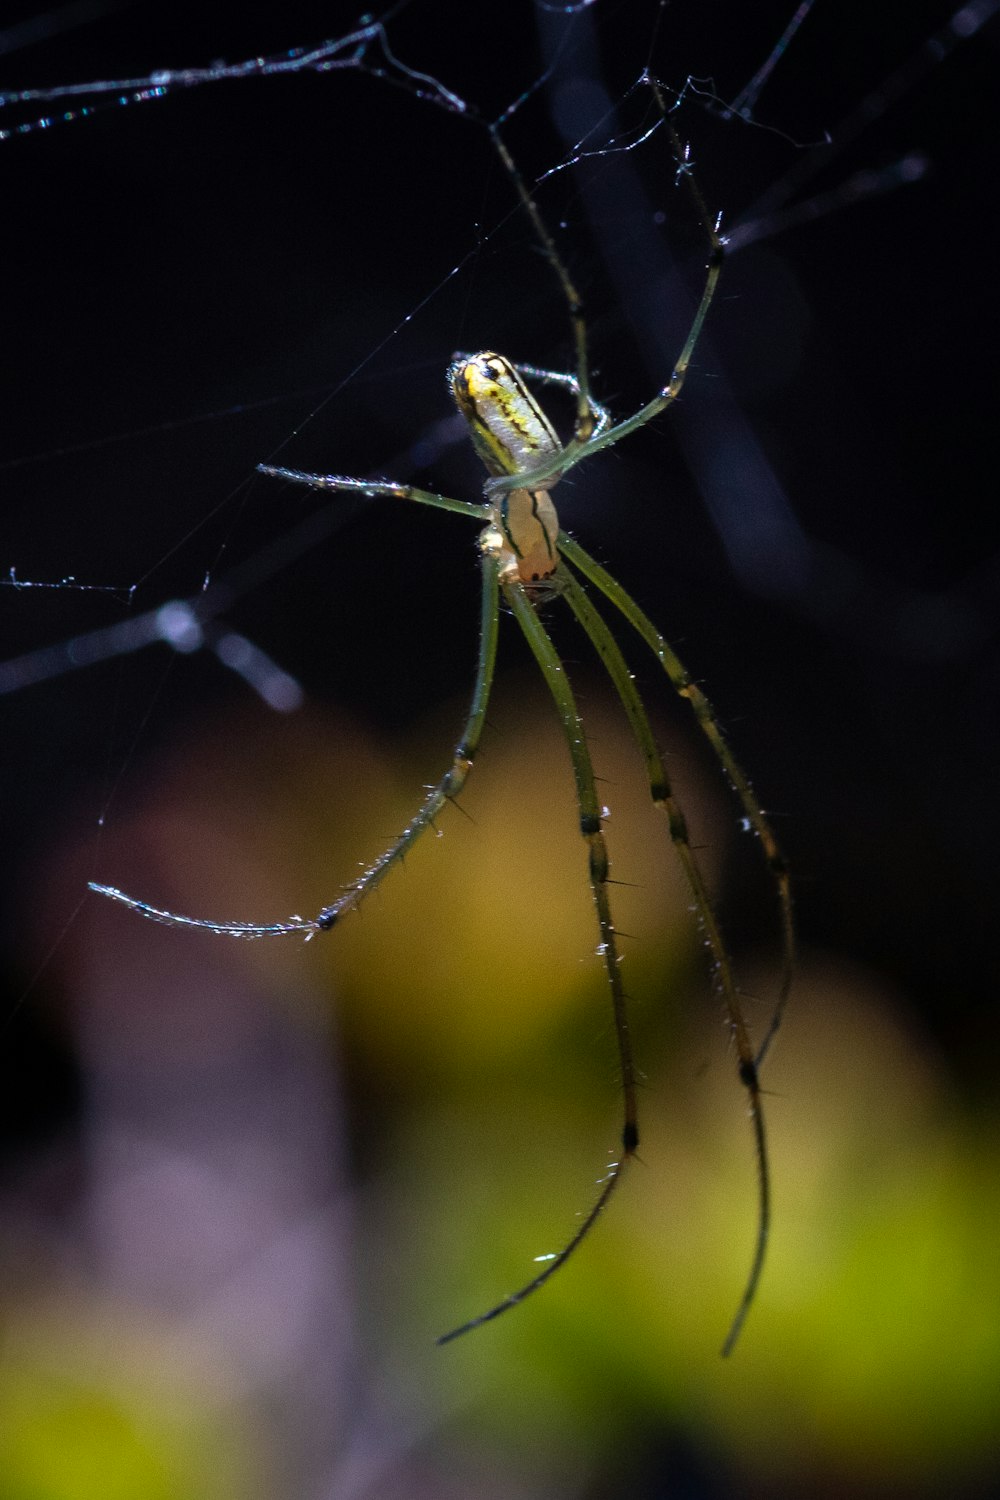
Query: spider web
(219, 263)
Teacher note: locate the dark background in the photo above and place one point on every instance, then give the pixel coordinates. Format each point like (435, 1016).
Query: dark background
(221, 276)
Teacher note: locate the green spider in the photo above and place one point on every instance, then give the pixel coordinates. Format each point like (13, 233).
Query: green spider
(527, 560)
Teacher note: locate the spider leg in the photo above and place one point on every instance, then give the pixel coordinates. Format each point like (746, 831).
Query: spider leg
(709, 725)
(664, 800)
(571, 383)
(552, 669)
(591, 435)
(584, 425)
(672, 389)
(377, 487)
(450, 786)
(446, 790)
(603, 437)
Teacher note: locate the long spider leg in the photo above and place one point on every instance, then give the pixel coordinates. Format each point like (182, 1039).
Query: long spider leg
(608, 650)
(339, 484)
(446, 790)
(450, 786)
(565, 459)
(300, 925)
(584, 424)
(709, 725)
(586, 441)
(554, 673)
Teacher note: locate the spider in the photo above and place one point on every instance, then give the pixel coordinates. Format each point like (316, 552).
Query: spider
(527, 561)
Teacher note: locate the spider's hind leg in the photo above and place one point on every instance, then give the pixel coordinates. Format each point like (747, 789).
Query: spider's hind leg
(756, 819)
(665, 801)
(522, 604)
